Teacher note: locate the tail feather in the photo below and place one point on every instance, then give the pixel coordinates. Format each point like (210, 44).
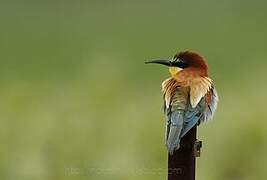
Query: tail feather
(175, 128)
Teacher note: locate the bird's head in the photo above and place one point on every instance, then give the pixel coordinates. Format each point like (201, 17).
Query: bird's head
(184, 60)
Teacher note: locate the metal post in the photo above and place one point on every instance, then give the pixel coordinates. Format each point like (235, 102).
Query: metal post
(181, 165)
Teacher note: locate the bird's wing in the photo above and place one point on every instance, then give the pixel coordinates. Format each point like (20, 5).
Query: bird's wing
(175, 113)
(211, 104)
(198, 89)
(193, 116)
(202, 112)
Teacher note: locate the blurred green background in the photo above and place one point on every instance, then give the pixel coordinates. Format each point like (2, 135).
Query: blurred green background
(77, 101)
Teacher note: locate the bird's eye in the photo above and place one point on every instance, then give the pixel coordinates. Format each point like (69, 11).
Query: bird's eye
(179, 63)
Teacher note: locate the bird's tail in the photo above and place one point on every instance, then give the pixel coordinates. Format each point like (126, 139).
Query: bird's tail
(174, 131)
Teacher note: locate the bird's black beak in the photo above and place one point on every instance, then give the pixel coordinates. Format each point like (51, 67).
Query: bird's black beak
(171, 63)
(163, 62)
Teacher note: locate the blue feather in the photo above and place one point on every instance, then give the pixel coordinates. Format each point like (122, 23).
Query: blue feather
(181, 117)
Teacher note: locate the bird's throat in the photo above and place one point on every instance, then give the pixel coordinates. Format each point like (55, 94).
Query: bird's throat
(174, 70)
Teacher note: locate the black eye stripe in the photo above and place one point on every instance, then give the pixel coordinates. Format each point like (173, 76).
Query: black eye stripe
(176, 59)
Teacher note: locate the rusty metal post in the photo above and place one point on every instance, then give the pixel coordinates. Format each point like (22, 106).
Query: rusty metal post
(181, 165)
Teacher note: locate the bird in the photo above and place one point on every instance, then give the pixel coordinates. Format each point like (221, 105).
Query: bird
(189, 95)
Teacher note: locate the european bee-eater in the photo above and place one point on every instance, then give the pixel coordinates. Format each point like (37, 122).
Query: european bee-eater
(190, 97)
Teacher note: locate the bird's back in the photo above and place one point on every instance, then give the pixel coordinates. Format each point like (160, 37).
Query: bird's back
(181, 116)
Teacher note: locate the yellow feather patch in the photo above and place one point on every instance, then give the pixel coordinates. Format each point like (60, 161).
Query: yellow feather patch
(174, 70)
